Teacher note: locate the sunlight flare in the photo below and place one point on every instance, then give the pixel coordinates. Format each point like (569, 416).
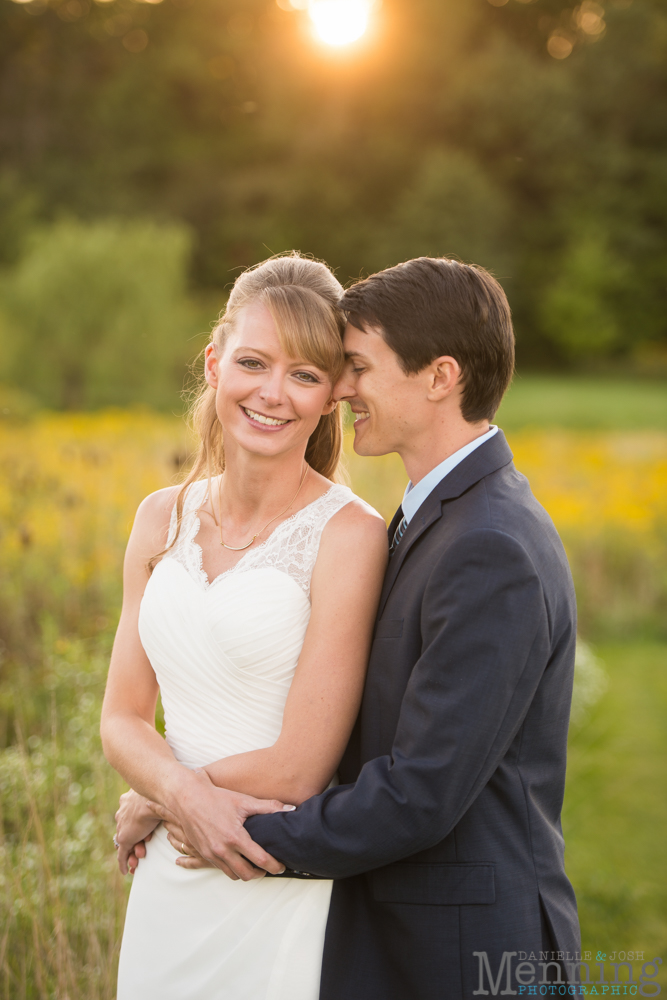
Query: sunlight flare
(339, 22)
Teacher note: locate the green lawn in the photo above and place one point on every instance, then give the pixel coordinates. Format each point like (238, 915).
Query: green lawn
(615, 816)
(584, 403)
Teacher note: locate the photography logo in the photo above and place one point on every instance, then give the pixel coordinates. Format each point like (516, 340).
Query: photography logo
(558, 973)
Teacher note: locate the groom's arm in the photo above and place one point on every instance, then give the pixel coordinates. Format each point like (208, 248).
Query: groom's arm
(485, 645)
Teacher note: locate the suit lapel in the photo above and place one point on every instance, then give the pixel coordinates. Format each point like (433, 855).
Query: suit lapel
(429, 512)
(489, 457)
(393, 524)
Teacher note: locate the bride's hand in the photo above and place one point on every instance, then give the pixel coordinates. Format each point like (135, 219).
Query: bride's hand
(135, 822)
(211, 820)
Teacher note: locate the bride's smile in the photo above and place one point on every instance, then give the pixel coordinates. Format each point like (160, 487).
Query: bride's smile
(260, 418)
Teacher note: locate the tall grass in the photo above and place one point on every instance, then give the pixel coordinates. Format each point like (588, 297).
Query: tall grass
(615, 812)
(69, 486)
(61, 896)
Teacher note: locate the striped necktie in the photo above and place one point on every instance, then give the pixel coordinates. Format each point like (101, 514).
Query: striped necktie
(398, 534)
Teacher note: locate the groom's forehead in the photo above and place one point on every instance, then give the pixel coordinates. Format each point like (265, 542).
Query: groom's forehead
(357, 337)
(357, 355)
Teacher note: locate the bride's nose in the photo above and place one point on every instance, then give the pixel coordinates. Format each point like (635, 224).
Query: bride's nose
(272, 390)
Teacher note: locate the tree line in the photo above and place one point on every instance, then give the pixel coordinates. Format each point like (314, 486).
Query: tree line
(151, 150)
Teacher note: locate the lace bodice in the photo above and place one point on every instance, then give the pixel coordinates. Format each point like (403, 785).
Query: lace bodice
(291, 548)
(225, 652)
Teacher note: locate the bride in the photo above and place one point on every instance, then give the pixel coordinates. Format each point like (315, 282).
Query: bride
(249, 599)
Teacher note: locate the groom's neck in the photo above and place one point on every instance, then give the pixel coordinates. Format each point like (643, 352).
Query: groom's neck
(437, 443)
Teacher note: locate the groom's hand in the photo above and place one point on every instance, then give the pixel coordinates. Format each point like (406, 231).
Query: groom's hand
(178, 839)
(211, 820)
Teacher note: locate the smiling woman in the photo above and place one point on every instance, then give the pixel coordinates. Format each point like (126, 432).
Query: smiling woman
(339, 22)
(256, 634)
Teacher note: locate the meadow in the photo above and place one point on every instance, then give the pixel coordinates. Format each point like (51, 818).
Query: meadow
(69, 485)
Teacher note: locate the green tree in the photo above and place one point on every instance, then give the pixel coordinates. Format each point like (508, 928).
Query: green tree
(227, 116)
(578, 306)
(97, 314)
(450, 208)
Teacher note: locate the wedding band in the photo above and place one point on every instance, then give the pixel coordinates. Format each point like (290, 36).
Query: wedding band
(115, 842)
(183, 851)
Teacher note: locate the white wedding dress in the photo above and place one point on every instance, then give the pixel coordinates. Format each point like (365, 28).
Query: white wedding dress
(224, 654)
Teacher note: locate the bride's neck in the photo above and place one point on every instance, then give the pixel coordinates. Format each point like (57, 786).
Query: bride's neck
(252, 485)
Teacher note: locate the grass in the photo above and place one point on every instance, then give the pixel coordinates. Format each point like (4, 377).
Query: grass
(615, 813)
(62, 899)
(579, 403)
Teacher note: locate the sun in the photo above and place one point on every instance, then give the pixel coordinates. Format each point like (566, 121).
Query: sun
(339, 22)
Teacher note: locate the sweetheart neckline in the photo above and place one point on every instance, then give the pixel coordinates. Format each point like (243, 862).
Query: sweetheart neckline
(207, 583)
(205, 589)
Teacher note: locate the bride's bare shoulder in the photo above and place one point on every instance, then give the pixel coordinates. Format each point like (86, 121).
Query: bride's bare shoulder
(151, 522)
(352, 555)
(156, 508)
(356, 526)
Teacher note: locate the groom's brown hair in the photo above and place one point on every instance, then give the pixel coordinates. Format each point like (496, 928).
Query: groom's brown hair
(434, 306)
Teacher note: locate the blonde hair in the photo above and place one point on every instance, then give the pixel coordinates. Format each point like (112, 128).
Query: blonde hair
(302, 296)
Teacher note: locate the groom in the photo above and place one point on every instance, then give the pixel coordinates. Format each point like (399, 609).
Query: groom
(444, 834)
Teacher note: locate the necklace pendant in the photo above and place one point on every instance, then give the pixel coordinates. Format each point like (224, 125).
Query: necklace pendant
(238, 548)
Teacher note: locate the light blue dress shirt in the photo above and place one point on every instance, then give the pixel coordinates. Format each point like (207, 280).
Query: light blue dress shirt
(414, 496)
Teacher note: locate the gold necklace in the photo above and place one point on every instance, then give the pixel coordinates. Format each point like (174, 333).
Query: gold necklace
(238, 548)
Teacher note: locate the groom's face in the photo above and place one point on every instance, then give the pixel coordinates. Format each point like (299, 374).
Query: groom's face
(388, 404)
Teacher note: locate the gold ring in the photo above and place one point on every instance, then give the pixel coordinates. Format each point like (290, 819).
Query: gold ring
(183, 851)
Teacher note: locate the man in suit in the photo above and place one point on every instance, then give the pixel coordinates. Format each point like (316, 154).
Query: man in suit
(444, 833)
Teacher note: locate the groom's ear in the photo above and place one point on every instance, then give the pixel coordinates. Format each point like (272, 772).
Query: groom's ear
(442, 377)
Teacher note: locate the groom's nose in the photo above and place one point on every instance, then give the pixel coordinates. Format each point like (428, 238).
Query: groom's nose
(345, 386)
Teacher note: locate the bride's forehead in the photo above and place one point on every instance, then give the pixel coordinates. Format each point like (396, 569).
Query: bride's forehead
(255, 320)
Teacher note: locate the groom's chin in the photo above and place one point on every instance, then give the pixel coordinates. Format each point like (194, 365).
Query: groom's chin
(369, 448)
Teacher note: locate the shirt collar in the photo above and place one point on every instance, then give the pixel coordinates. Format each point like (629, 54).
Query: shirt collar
(415, 495)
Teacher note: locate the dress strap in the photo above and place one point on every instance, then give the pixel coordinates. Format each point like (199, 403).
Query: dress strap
(194, 497)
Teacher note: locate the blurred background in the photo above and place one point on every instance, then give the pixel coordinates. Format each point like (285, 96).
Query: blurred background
(151, 150)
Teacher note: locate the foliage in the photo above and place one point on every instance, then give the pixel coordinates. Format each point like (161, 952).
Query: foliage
(578, 309)
(98, 313)
(525, 135)
(451, 207)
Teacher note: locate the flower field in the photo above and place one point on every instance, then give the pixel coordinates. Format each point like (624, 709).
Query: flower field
(69, 485)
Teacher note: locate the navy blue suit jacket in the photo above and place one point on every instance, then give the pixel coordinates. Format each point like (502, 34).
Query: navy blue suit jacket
(444, 836)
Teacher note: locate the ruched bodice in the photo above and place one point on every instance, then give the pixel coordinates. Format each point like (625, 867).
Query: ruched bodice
(224, 654)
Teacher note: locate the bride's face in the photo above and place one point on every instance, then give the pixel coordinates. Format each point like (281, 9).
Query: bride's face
(267, 402)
